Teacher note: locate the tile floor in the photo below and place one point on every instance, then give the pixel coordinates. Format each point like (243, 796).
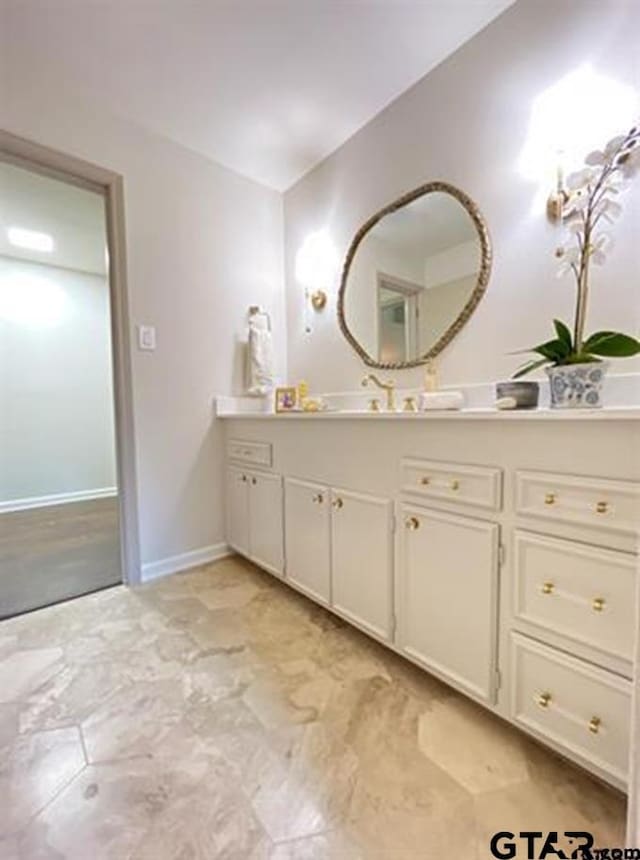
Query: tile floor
(218, 715)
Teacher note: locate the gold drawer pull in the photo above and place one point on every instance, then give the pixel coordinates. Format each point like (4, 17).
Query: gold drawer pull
(337, 503)
(412, 523)
(547, 587)
(455, 485)
(544, 700)
(594, 725)
(244, 479)
(254, 481)
(598, 604)
(602, 507)
(550, 499)
(318, 498)
(424, 481)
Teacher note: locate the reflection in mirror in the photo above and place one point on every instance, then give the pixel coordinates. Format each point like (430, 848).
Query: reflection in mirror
(414, 274)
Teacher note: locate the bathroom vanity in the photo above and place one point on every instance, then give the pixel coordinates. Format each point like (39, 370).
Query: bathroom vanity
(497, 551)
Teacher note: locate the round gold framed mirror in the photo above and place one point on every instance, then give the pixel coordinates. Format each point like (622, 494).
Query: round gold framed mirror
(413, 275)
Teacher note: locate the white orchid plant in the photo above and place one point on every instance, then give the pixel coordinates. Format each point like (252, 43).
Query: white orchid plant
(590, 200)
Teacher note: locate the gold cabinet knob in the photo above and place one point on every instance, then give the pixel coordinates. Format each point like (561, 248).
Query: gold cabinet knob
(544, 700)
(244, 479)
(602, 507)
(318, 498)
(337, 503)
(412, 523)
(598, 604)
(254, 481)
(455, 485)
(594, 725)
(550, 499)
(425, 481)
(547, 587)
(374, 405)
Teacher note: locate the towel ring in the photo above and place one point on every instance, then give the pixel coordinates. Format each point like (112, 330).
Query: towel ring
(256, 310)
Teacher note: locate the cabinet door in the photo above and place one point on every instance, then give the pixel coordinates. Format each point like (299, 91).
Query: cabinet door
(447, 594)
(238, 510)
(265, 521)
(307, 537)
(361, 560)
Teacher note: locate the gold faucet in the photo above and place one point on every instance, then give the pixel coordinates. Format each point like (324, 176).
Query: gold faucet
(387, 387)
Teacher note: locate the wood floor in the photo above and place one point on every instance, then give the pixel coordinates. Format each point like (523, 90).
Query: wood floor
(56, 552)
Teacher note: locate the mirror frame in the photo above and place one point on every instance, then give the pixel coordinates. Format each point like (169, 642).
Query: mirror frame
(486, 256)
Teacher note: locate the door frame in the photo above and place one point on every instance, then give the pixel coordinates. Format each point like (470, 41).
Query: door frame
(58, 165)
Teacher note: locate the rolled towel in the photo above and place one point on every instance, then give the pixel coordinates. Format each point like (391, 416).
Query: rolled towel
(441, 400)
(260, 363)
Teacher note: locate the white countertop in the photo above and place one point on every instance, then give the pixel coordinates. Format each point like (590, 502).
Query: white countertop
(622, 399)
(623, 413)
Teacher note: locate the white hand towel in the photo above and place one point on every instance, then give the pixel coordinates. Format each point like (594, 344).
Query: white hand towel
(260, 364)
(441, 400)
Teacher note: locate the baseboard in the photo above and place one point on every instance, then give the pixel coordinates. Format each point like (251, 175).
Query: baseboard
(193, 558)
(57, 499)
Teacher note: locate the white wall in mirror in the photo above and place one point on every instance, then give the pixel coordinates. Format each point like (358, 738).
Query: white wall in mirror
(411, 276)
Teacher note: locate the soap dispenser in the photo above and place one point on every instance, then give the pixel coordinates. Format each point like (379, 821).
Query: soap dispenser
(430, 376)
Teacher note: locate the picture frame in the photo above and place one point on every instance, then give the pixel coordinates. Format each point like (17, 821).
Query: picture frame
(286, 398)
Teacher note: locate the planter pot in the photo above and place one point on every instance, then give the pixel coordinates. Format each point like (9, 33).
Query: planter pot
(577, 386)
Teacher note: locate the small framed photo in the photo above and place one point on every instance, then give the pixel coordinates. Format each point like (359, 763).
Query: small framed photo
(286, 399)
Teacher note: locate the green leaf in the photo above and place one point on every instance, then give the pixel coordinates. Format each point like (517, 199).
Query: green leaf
(612, 343)
(554, 350)
(563, 333)
(527, 368)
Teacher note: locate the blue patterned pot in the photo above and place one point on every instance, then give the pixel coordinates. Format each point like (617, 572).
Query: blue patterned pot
(577, 386)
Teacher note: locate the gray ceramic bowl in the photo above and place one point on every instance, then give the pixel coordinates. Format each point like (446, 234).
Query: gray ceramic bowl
(524, 393)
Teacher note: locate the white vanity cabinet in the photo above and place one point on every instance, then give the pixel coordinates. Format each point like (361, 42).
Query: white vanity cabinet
(307, 537)
(465, 545)
(447, 588)
(254, 517)
(339, 551)
(362, 560)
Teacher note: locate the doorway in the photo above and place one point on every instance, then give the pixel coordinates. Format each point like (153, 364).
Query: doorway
(65, 511)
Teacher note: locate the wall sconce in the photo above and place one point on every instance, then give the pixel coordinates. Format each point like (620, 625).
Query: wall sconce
(318, 299)
(559, 198)
(315, 268)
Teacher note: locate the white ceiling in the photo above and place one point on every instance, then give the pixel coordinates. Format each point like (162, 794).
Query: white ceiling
(266, 87)
(73, 217)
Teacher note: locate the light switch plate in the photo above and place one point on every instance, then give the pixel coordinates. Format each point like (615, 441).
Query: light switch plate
(146, 337)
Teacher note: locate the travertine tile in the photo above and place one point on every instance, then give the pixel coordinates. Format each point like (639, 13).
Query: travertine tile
(134, 721)
(474, 746)
(526, 808)
(8, 724)
(9, 848)
(8, 644)
(334, 845)
(225, 716)
(23, 671)
(32, 770)
(68, 697)
(307, 792)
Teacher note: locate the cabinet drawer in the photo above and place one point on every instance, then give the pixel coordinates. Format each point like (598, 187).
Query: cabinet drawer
(480, 486)
(594, 502)
(578, 591)
(254, 453)
(582, 709)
